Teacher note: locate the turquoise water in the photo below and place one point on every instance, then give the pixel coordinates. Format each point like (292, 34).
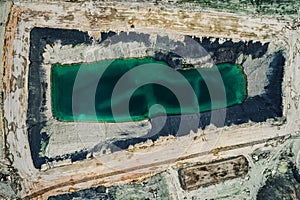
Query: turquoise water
(130, 89)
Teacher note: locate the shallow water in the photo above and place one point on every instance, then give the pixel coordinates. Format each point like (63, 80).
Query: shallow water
(138, 88)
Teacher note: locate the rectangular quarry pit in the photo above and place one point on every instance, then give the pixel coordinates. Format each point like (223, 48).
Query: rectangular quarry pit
(262, 63)
(39, 35)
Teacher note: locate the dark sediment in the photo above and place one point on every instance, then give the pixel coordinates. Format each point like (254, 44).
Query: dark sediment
(91, 193)
(39, 37)
(282, 186)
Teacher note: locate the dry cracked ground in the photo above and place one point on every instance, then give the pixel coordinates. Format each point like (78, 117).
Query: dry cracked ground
(245, 151)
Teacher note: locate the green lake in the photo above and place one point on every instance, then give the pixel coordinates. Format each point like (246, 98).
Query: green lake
(124, 90)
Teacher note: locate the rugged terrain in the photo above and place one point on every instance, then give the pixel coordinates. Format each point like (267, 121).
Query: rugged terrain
(248, 151)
